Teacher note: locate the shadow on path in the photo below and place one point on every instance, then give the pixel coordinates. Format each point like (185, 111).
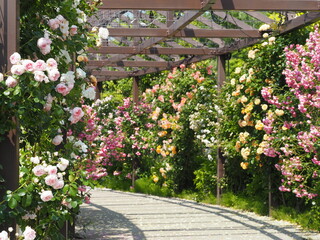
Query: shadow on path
(106, 224)
(267, 228)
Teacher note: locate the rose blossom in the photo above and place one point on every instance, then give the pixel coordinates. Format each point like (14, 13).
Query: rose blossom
(52, 63)
(63, 89)
(35, 160)
(29, 233)
(63, 164)
(73, 30)
(28, 65)
(53, 74)
(11, 82)
(51, 170)
(51, 180)
(59, 184)
(40, 65)
(17, 69)
(54, 23)
(15, 58)
(1, 77)
(46, 196)
(4, 235)
(40, 76)
(76, 115)
(57, 140)
(39, 170)
(103, 33)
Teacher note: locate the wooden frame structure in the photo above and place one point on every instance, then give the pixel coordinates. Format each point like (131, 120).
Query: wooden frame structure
(152, 36)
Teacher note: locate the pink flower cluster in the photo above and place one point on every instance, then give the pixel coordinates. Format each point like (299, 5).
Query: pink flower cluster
(76, 115)
(61, 23)
(37, 68)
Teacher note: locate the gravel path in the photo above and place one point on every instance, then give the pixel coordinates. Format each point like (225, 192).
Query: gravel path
(126, 216)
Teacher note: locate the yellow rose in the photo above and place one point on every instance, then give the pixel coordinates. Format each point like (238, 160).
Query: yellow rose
(259, 125)
(245, 152)
(264, 107)
(238, 146)
(259, 150)
(279, 112)
(155, 178)
(244, 165)
(244, 99)
(257, 101)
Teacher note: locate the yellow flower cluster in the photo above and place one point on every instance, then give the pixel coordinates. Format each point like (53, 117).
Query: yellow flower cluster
(166, 149)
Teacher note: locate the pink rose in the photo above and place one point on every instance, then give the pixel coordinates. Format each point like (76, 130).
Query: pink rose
(60, 18)
(76, 115)
(40, 65)
(53, 74)
(38, 170)
(51, 63)
(51, 180)
(73, 30)
(15, 58)
(51, 170)
(62, 88)
(11, 82)
(54, 23)
(47, 107)
(46, 196)
(42, 42)
(40, 76)
(59, 184)
(29, 233)
(57, 140)
(17, 70)
(45, 50)
(28, 65)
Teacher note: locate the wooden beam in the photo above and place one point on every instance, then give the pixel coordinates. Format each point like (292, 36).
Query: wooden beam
(240, 5)
(181, 23)
(184, 33)
(104, 63)
(154, 50)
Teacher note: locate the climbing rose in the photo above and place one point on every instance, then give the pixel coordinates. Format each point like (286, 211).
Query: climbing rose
(40, 76)
(46, 196)
(11, 82)
(17, 69)
(4, 236)
(62, 88)
(103, 33)
(53, 74)
(73, 30)
(38, 170)
(40, 65)
(57, 140)
(76, 115)
(51, 180)
(51, 63)
(29, 233)
(15, 58)
(28, 65)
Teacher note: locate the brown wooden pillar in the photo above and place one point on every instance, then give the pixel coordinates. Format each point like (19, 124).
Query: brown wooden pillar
(135, 96)
(135, 89)
(220, 160)
(9, 147)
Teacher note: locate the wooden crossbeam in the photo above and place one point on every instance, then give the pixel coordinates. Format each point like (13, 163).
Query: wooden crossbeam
(181, 23)
(104, 63)
(185, 33)
(241, 5)
(154, 50)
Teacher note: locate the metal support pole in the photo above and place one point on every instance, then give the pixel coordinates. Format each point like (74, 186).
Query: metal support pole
(9, 147)
(220, 161)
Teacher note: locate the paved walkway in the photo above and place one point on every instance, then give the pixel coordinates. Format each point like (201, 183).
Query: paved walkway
(124, 216)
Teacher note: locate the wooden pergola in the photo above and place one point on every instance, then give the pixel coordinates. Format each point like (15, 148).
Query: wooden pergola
(152, 36)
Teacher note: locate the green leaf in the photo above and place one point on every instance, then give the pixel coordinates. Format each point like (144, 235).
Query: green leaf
(74, 204)
(36, 100)
(12, 203)
(21, 193)
(71, 178)
(27, 200)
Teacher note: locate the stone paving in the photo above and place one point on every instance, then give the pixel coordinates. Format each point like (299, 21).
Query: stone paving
(126, 216)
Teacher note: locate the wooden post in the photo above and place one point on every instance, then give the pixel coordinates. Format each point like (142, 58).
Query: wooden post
(135, 94)
(9, 147)
(220, 161)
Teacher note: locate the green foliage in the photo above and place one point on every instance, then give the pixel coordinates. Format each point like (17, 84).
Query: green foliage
(146, 185)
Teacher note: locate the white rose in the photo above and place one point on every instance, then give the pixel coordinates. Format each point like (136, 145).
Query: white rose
(89, 93)
(103, 33)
